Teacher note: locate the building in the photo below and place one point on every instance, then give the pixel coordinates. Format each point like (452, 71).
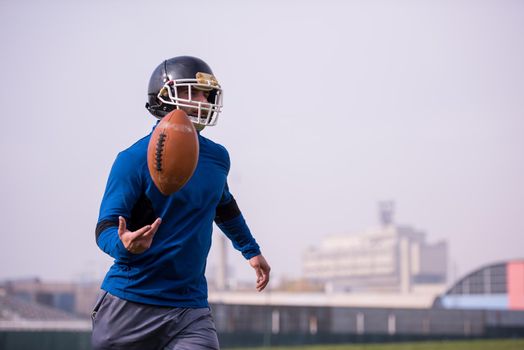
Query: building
(390, 258)
(19, 314)
(498, 286)
(73, 298)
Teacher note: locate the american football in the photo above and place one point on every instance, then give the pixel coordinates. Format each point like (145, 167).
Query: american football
(172, 153)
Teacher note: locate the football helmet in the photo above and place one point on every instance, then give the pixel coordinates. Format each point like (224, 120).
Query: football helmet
(190, 73)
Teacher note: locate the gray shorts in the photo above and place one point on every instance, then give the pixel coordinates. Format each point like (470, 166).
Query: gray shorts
(121, 324)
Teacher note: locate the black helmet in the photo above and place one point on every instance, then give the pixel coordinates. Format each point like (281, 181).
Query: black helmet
(184, 71)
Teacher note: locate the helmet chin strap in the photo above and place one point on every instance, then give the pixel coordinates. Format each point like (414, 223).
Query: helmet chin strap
(199, 127)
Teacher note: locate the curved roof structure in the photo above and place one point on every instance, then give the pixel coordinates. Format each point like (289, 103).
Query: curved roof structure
(497, 286)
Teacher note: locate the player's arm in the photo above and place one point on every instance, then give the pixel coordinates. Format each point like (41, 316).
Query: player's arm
(230, 220)
(122, 192)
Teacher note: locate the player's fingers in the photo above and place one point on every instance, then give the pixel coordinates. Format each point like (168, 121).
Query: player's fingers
(153, 228)
(139, 233)
(121, 226)
(258, 272)
(265, 269)
(262, 279)
(155, 225)
(261, 287)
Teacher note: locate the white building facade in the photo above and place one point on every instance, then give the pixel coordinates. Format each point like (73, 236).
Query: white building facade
(390, 259)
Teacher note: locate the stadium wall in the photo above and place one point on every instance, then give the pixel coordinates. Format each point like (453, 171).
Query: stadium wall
(265, 325)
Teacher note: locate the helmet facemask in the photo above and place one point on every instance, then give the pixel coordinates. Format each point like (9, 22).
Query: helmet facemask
(203, 114)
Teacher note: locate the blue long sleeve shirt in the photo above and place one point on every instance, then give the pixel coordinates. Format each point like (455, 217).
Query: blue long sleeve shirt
(171, 271)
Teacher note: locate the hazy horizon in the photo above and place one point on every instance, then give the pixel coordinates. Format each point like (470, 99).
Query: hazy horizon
(329, 108)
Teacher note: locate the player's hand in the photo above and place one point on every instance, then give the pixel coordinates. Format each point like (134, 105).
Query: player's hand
(138, 241)
(262, 269)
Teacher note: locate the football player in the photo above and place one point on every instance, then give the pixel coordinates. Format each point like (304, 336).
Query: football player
(154, 296)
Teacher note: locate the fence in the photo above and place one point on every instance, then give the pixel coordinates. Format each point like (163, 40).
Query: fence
(265, 325)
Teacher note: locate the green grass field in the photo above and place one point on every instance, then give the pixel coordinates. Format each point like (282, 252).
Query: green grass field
(505, 344)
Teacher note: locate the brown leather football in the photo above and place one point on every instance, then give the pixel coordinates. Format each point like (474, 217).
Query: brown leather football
(172, 153)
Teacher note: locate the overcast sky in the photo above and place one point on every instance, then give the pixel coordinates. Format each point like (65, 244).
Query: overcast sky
(330, 107)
